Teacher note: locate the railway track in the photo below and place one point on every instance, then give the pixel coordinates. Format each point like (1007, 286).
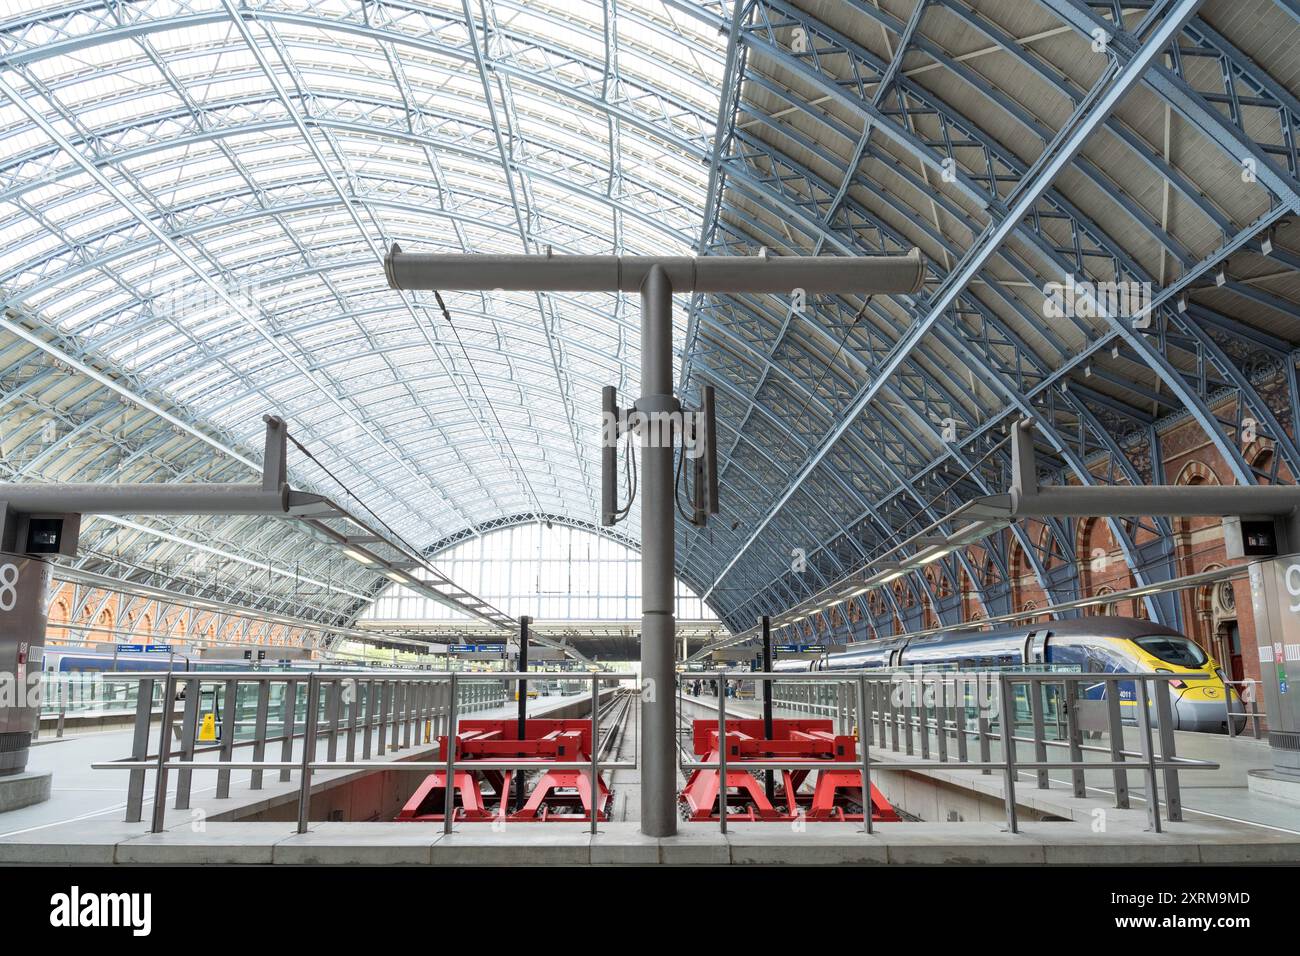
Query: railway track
(618, 719)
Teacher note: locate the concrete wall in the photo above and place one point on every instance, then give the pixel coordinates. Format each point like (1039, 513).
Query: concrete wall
(373, 797)
(938, 801)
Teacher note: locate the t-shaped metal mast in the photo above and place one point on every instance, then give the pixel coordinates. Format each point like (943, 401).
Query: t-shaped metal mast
(657, 278)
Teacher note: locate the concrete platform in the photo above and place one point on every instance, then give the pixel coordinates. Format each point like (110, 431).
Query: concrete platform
(1278, 786)
(24, 790)
(403, 844)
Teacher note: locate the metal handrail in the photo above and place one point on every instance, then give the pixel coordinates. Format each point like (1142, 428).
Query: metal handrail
(368, 722)
(1254, 714)
(866, 717)
(403, 713)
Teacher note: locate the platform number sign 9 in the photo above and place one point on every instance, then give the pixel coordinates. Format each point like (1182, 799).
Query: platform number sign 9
(1293, 585)
(8, 586)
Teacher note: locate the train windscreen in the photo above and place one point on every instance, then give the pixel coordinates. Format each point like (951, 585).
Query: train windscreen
(1173, 650)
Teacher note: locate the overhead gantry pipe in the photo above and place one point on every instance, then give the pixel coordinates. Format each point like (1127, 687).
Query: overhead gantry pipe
(273, 496)
(721, 274)
(1027, 499)
(656, 278)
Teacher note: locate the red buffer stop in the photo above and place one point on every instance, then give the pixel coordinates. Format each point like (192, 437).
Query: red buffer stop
(558, 795)
(835, 795)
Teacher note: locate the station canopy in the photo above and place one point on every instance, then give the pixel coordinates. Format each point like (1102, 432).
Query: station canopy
(195, 198)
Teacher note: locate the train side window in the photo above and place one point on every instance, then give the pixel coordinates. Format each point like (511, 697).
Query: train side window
(1108, 659)
(1069, 653)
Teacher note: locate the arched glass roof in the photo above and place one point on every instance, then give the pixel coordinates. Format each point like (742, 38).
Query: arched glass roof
(194, 199)
(248, 165)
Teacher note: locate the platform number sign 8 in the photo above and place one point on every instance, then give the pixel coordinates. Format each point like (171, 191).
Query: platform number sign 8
(8, 586)
(1293, 585)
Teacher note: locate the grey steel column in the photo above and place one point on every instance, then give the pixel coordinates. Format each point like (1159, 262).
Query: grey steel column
(24, 582)
(1274, 585)
(520, 796)
(722, 752)
(770, 781)
(658, 628)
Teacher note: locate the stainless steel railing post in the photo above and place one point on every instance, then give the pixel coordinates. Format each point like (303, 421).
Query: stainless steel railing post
(864, 753)
(893, 719)
(230, 689)
(63, 708)
(193, 690)
(139, 750)
(1008, 727)
(1070, 690)
(923, 721)
(908, 714)
(408, 691)
(449, 760)
(259, 731)
(385, 695)
(1165, 718)
(164, 754)
(289, 709)
(395, 717)
(1115, 730)
(982, 697)
(422, 715)
(941, 718)
(1149, 754)
(368, 719)
(595, 752)
(959, 721)
(333, 703)
(722, 752)
(308, 751)
(353, 689)
(1034, 691)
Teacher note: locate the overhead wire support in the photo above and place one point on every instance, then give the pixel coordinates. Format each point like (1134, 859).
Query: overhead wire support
(656, 279)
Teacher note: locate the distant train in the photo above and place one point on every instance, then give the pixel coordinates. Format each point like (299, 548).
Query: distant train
(90, 660)
(1109, 645)
(77, 668)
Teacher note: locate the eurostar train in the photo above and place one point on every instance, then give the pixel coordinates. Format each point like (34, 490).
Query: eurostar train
(1109, 645)
(89, 660)
(86, 660)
